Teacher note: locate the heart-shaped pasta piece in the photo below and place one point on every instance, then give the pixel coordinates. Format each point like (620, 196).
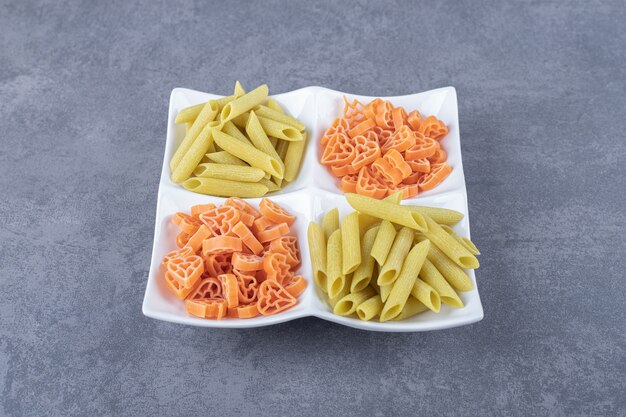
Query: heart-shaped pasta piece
(208, 287)
(287, 246)
(273, 298)
(186, 270)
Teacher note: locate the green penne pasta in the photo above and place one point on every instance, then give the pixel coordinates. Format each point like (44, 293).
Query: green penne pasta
(229, 172)
(189, 114)
(412, 307)
(272, 104)
(386, 210)
(440, 215)
(194, 154)
(363, 274)
(239, 90)
(330, 222)
(279, 116)
(317, 251)
(208, 113)
(384, 240)
(392, 267)
(405, 283)
(450, 246)
(450, 271)
(242, 104)
(334, 270)
(280, 130)
(223, 157)
(230, 129)
(431, 276)
(350, 243)
(348, 304)
(225, 188)
(293, 157)
(370, 308)
(248, 153)
(426, 294)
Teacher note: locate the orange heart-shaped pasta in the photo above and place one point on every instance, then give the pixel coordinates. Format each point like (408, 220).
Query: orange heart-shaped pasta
(433, 128)
(287, 246)
(221, 244)
(243, 206)
(218, 264)
(247, 287)
(221, 220)
(276, 267)
(186, 270)
(273, 232)
(369, 185)
(247, 263)
(339, 125)
(230, 289)
(244, 311)
(248, 238)
(275, 213)
(367, 151)
(347, 184)
(207, 308)
(208, 287)
(187, 223)
(401, 140)
(273, 298)
(179, 253)
(437, 174)
(296, 286)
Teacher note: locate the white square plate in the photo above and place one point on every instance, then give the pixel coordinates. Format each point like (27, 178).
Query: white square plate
(313, 193)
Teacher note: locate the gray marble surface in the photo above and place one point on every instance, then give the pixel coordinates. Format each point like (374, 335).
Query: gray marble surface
(84, 91)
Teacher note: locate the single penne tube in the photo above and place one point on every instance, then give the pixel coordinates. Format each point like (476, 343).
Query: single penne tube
(317, 251)
(363, 274)
(248, 153)
(222, 101)
(431, 276)
(386, 210)
(239, 90)
(384, 239)
(392, 267)
(277, 181)
(454, 274)
(279, 116)
(412, 307)
(229, 172)
(194, 155)
(403, 286)
(272, 104)
(208, 113)
(343, 291)
(271, 186)
(350, 243)
(335, 279)
(230, 129)
(384, 291)
(293, 157)
(223, 157)
(280, 130)
(225, 188)
(281, 148)
(348, 304)
(330, 222)
(469, 245)
(258, 137)
(426, 294)
(369, 308)
(367, 221)
(450, 246)
(440, 215)
(245, 103)
(189, 114)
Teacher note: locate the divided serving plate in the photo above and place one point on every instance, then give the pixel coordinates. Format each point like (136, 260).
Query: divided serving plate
(312, 194)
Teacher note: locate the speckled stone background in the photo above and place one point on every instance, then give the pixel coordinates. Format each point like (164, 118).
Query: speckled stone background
(84, 91)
